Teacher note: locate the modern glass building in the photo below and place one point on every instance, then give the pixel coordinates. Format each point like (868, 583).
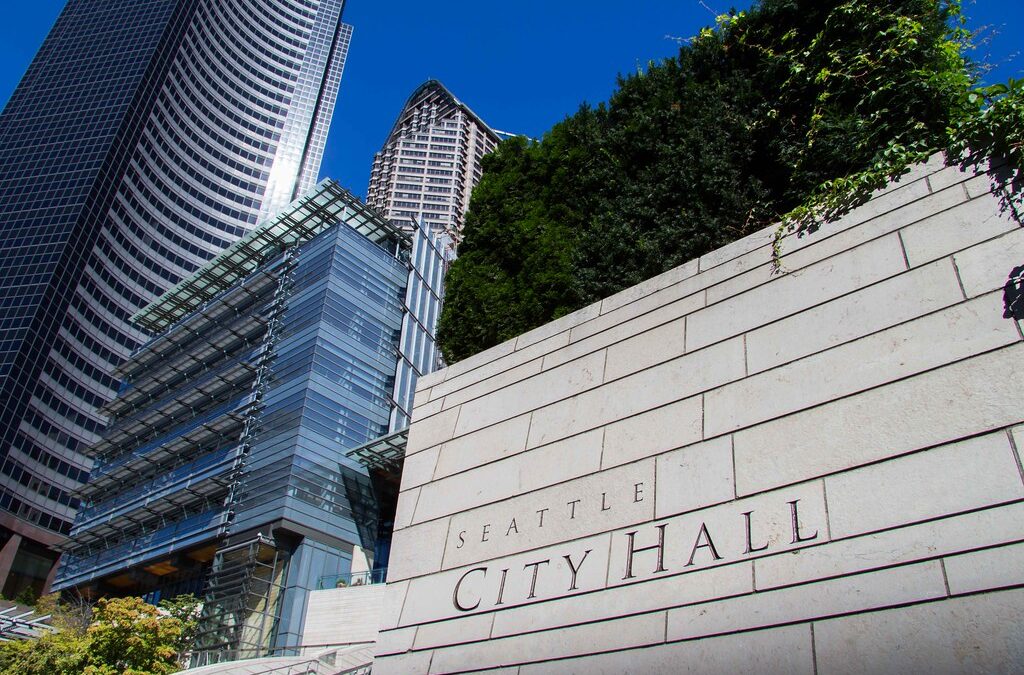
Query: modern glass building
(244, 462)
(430, 162)
(145, 137)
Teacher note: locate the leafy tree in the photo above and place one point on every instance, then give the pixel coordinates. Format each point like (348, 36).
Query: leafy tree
(125, 636)
(791, 112)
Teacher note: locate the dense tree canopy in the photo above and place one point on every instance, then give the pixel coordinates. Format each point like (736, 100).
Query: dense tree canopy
(791, 111)
(122, 636)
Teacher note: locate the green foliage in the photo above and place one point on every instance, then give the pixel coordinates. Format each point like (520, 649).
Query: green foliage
(794, 111)
(125, 636)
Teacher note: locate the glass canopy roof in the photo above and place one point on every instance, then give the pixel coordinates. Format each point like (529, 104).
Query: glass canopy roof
(303, 219)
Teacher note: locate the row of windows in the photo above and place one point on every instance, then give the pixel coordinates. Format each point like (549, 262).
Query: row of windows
(37, 484)
(19, 508)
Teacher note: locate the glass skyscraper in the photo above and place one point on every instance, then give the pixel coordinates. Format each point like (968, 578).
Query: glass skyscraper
(145, 137)
(235, 466)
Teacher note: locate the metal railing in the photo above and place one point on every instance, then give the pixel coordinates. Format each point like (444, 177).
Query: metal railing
(353, 579)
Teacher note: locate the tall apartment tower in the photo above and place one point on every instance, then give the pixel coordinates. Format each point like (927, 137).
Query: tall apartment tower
(430, 162)
(145, 137)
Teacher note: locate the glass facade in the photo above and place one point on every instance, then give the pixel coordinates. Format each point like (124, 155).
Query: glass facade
(145, 137)
(226, 468)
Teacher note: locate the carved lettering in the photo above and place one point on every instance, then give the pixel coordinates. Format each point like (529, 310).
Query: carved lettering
(574, 568)
(501, 586)
(750, 547)
(631, 536)
(638, 493)
(708, 544)
(795, 519)
(512, 527)
(541, 512)
(533, 581)
(486, 531)
(572, 511)
(455, 594)
(462, 539)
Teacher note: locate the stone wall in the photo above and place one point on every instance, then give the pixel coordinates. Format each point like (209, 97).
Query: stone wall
(724, 470)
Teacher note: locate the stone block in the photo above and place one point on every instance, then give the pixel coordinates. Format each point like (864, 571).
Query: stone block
(418, 468)
(395, 641)
(776, 650)
(652, 285)
(858, 593)
(427, 409)
(652, 388)
(391, 607)
(953, 230)
(577, 641)
(484, 446)
(680, 298)
(538, 391)
(596, 503)
(791, 293)
(756, 241)
(884, 422)
(653, 432)
(666, 342)
(417, 550)
(428, 432)
(976, 634)
(477, 360)
(406, 507)
(986, 267)
(876, 307)
(944, 536)
(515, 475)
(403, 664)
(639, 598)
(495, 382)
(694, 477)
(992, 568)
(616, 332)
(456, 631)
(930, 341)
(949, 479)
(566, 322)
(721, 535)
(489, 371)
(508, 582)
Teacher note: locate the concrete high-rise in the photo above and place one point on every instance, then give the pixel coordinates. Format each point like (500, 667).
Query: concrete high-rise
(145, 137)
(430, 162)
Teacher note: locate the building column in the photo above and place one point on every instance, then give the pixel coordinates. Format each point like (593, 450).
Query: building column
(50, 576)
(7, 554)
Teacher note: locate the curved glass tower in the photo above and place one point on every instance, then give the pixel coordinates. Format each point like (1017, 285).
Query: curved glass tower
(145, 137)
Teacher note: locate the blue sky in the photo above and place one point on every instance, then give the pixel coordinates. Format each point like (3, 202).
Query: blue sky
(521, 66)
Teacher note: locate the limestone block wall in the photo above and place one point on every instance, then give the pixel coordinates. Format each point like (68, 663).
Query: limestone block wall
(725, 470)
(342, 616)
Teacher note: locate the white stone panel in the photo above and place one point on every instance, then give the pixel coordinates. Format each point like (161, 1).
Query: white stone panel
(515, 475)
(343, 615)
(776, 650)
(597, 503)
(945, 480)
(992, 568)
(647, 596)
(391, 609)
(395, 641)
(935, 407)
(428, 432)
(646, 390)
(649, 287)
(509, 582)
(579, 640)
(466, 629)
(882, 305)
(409, 663)
(978, 634)
(653, 432)
(535, 392)
(925, 343)
(493, 383)
(418, 468)
(417, 550)
(694, 477)
(719, 535)
(657, 345)
(791, 293)
(873, 590)
(922, 541)
(566, 322)
(987, 266)
(953, 230)
(481, 447)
